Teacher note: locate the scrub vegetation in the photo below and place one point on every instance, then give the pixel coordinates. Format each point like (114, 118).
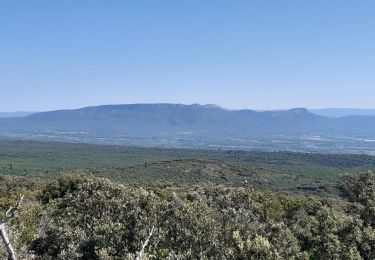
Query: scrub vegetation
(148, 203)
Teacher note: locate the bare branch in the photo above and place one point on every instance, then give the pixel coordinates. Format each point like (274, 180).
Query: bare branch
(177, 201)
(9, 214)
(175, 197)
(140, 254)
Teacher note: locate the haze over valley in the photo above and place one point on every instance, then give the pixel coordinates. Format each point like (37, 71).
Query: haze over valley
(198, 126)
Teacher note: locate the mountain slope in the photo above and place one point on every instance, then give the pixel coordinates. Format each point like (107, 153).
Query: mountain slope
(194, 123)
(154, 118)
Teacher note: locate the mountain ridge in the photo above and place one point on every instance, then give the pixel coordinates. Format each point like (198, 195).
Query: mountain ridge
(179, 124)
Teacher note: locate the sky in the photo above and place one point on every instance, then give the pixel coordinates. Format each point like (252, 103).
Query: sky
(265, 54)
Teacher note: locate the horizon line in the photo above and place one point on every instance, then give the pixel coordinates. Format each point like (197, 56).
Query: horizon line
(184, 104)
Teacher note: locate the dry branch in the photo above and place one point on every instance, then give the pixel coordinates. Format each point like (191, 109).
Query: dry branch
(140, 254)
(9, 214)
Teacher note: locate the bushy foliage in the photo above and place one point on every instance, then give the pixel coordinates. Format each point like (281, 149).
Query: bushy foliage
(83, 217)
(23, 229)
(99, 219)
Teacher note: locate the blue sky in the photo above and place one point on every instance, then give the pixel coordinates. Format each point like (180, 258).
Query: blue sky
(238, 54)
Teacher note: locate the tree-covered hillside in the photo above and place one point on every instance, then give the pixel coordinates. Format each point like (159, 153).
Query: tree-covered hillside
(279, 171)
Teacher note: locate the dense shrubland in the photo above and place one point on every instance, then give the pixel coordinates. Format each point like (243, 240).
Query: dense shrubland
(83, 217)
(279, 171)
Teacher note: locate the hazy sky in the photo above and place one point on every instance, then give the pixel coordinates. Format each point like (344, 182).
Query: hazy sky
(238, 54)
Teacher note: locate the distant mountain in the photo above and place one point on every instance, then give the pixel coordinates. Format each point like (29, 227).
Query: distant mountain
(155, 119)
(188, 125)
(341, 112)
(14, 114)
